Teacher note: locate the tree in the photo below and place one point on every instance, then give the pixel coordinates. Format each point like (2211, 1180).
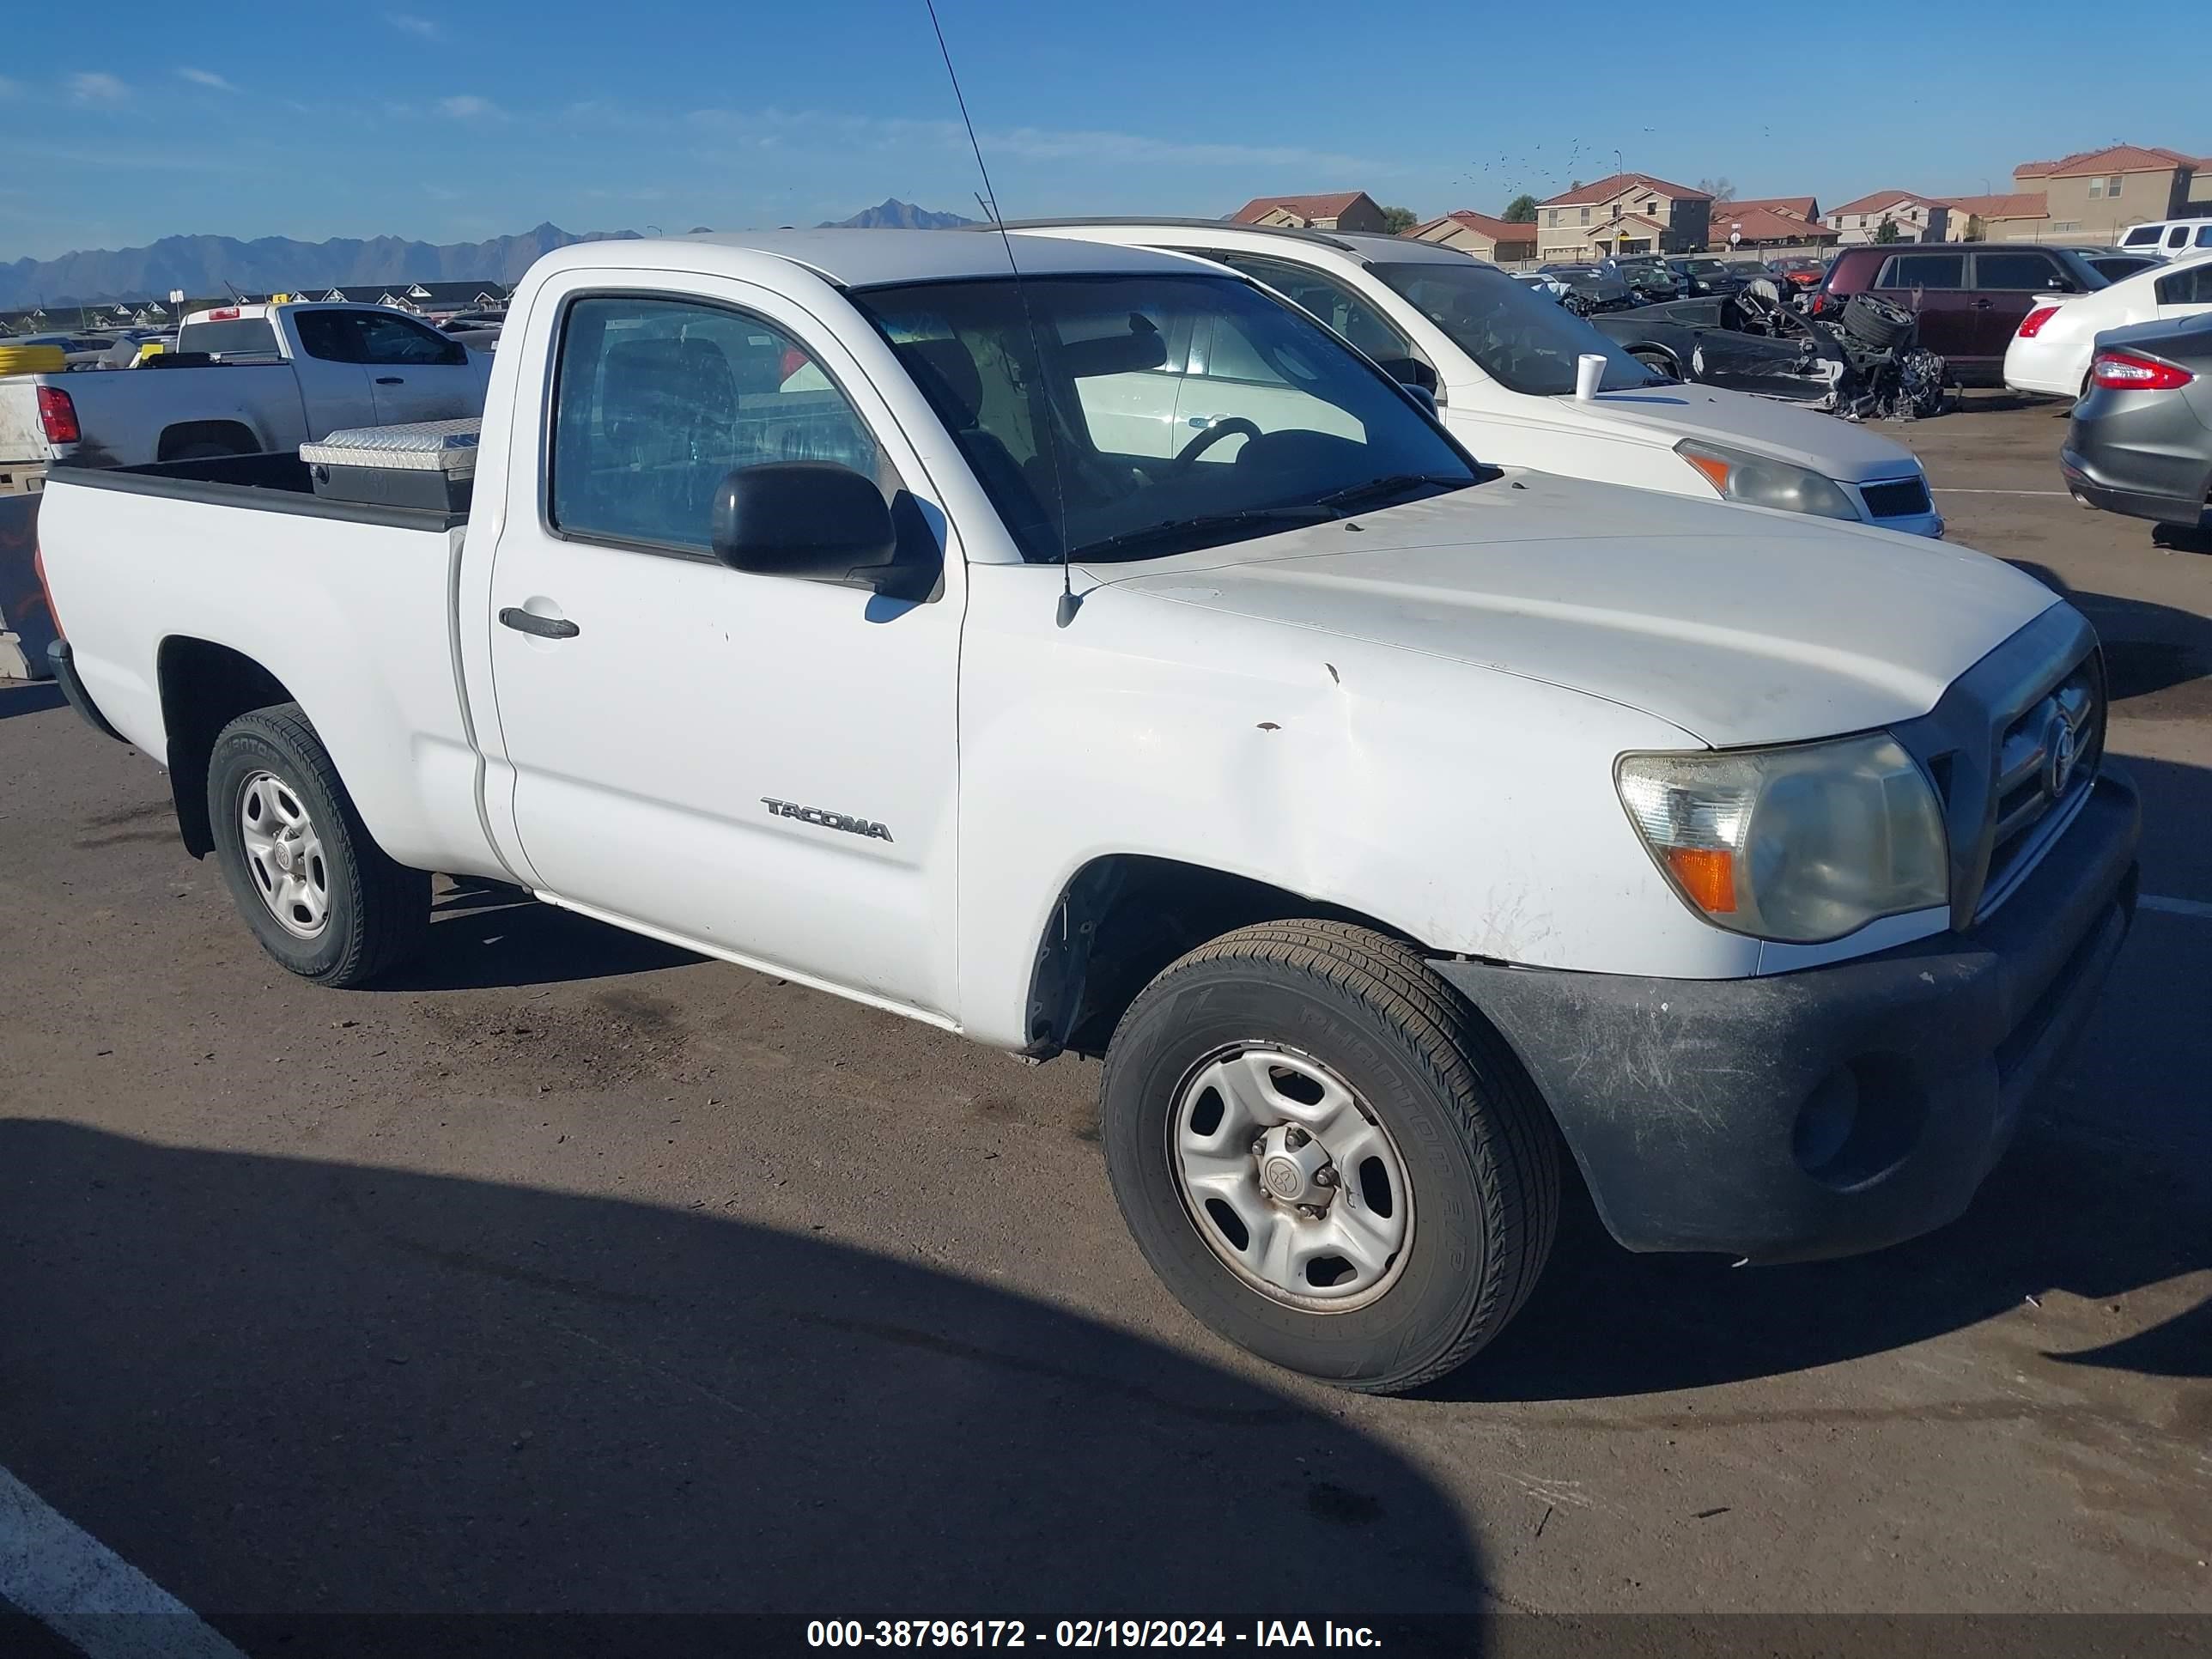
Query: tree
(1398, 221)
(1886, 231)
(1721, 189)
(1520, 210)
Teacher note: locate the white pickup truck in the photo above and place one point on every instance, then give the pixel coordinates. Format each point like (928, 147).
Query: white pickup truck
(1409, 835)
(244, 379)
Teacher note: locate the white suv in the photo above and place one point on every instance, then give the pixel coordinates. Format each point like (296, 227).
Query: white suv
(2167, 236)
(1500, 361)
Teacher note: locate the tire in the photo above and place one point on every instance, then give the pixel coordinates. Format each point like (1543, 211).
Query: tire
(1876, 320)
(1664, 361)
(1476, 1155)
(374, 913)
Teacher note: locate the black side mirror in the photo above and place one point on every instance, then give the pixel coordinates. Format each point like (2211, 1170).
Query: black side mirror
(2059, 284)
(812, 520)
(1410, 373)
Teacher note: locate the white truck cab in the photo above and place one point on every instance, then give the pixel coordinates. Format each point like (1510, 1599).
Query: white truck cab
(1499, 358)
(1409, 835)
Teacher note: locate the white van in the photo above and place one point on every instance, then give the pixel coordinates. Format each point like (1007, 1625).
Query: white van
(2167, 236)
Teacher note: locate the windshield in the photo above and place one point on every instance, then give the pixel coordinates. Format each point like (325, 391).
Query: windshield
(1522, 339)
(1153, 413)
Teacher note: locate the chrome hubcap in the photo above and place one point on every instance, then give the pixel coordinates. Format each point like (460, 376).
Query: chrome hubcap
(1290, 1178)
(284, 855)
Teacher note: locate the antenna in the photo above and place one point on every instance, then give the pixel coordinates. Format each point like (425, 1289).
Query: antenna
(988, 200)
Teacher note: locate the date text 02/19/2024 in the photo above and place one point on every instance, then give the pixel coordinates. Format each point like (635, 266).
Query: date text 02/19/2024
(1084, 1633)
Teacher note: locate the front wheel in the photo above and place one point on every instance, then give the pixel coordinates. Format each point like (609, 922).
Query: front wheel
(1326, 1156)
(319, 893)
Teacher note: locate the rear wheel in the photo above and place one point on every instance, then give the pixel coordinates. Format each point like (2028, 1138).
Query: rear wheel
(1326, 1156)
(319, 893)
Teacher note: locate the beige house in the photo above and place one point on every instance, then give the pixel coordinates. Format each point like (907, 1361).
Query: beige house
(1916, 218)
(1777, 222)
(2093, 195)
(1479, 234)
(1627, 213)
(2012, 216)
(1346, 210)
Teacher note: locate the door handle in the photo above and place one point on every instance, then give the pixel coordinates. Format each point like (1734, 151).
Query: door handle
(390, 380)
(1981, 305)
(546, 628)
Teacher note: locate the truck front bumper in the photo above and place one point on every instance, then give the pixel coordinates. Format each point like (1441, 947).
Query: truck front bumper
(1832, 1110)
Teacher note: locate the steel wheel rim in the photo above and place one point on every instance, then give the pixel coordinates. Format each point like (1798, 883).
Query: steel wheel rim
(284, 856)
(1250, 1193)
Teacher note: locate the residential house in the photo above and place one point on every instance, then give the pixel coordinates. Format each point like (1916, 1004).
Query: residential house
(1347, 209)
(1756, 225)
(2010, 216)
(423, 299)
(1803, 209)
(1916, 218)
(1626, 213)
(2093, 195)
(1479, 234)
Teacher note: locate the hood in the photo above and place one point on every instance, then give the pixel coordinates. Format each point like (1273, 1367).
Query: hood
(1841, 449)
(1737, 624)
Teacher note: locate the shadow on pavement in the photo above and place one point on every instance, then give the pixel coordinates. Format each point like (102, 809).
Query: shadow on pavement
(284, 1389)
(484, 934)
(2148, 648)
(28, 697)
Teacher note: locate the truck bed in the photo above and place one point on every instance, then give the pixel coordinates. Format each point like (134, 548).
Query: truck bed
(277, 483)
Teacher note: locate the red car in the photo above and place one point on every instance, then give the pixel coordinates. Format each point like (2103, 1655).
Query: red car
(1800, 270)
(1969, 296)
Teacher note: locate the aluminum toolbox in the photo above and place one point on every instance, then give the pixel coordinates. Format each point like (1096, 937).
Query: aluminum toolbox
(429, 464)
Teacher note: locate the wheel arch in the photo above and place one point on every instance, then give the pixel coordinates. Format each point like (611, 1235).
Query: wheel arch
(184, 435)
(1122, 917)
(203, 687)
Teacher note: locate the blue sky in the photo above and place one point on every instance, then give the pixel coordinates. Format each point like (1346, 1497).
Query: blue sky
(448, 123)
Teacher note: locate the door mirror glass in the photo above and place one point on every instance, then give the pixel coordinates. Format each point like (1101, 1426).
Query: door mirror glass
(1411, 373)
(813, 519)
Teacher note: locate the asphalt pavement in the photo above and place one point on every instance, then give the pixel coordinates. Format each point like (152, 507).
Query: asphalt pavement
(575, 1275)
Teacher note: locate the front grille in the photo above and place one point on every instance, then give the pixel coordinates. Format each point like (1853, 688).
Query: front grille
(1901, 498)
(2046, 760)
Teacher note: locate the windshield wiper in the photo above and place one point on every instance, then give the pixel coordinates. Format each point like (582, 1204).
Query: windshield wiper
(1199, 529)
(1376, 489)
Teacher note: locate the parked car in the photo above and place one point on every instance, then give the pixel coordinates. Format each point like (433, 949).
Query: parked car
(1596, 288)
(1500, 361)
(2111, 264)
(2167, 236)
(1969, 297)
(1385, 820)
(1650, 280)
(1797, 270)
(2050, 350)
(2141, 439)
(1701, 274)
(244, 378)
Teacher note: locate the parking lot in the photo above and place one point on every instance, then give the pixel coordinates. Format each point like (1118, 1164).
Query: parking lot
(573, 1273)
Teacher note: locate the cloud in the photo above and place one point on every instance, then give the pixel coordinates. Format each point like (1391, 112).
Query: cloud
(98, 87)
(200, 77)
(467, 106)
(409, 23)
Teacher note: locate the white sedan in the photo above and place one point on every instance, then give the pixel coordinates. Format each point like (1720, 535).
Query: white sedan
(2051, 349)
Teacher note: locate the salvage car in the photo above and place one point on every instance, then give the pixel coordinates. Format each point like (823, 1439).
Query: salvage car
(2141, 439)
(2051, 349)
(1596, 288)
(1869, 365)
(1700, 274)
(1500, 361)
(1410, 835)
(1969, 299)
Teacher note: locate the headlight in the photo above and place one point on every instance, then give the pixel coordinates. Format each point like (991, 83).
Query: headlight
(1755, 481)
(1801, 844)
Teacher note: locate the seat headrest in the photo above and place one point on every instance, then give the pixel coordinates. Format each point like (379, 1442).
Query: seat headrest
(948, 375)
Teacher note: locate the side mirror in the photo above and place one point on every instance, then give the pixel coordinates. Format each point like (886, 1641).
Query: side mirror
(812, 520)
(2058, 284)
(1410, 373)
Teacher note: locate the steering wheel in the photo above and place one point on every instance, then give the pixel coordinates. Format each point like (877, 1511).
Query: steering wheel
(1213, 435)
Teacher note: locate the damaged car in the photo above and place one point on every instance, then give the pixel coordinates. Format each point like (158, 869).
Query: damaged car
(1867, 365)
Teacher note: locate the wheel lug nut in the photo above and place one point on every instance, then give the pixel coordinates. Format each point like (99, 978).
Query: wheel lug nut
(1294, 1136)
(1326, 1176)
(1310, 1211)
(1259, 1145)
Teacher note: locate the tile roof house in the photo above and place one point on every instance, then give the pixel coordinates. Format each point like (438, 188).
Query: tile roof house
(1586, 219)
(2008, 216)
(1479, 234)
(1803, 208)
(1750, 224)
(2093, 195)
(1346, 210)
(1917, 218)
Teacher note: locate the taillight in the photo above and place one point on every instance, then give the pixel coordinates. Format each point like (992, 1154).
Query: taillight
(2031, 325)
(2122, 371)
(57, 416)
(1819, 302)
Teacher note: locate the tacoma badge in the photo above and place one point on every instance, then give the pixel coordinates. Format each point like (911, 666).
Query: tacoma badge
(868, 827)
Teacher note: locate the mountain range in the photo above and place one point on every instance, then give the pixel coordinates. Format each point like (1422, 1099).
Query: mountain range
(894, 215)
(205, 265)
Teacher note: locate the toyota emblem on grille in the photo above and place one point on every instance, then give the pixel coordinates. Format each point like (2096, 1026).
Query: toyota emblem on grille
(2058, 765)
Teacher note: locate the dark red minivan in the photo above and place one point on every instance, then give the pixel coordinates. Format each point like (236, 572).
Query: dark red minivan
(1970, 295)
